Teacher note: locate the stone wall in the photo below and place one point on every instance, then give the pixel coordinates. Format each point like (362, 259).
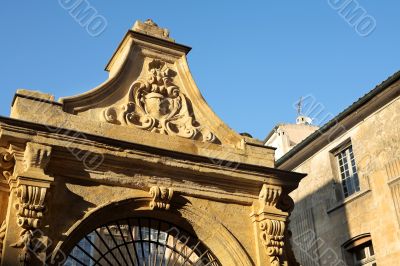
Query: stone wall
(321, 210)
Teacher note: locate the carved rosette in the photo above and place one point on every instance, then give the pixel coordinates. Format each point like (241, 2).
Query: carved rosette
(161, 197)
(156, 104)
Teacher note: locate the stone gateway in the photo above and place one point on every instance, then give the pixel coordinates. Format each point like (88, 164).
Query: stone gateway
(138, 171)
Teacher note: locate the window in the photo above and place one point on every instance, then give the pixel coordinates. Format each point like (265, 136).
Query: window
(348, 171)
(364, 255)
(360, 251)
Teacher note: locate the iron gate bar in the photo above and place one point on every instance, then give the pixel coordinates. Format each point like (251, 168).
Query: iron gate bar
(133, 240)
(98, 251)
(116, 243)
(105, 244)
(125, 244)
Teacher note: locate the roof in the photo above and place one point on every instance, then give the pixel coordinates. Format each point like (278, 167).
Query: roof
(349, 110)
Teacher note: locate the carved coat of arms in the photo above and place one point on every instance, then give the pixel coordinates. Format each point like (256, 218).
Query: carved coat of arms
(156, 104)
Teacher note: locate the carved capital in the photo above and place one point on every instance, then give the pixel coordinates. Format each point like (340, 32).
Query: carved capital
(161, 197)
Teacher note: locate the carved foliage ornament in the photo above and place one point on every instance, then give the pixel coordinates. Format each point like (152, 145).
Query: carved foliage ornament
(156, 104)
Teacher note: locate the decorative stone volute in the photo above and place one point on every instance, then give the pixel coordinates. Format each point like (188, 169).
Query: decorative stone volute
(7, 164)
(161, 197)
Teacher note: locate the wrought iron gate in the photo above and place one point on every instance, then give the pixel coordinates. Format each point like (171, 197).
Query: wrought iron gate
(140, 242)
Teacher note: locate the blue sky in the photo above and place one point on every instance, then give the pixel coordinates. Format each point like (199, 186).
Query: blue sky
(252, 60)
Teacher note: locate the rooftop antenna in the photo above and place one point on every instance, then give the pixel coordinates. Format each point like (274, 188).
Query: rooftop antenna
(299, 106)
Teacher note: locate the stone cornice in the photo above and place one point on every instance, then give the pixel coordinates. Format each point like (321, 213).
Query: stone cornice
(18, 131)
(240, 183)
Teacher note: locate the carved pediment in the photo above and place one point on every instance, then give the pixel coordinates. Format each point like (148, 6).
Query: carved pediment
(150, 88)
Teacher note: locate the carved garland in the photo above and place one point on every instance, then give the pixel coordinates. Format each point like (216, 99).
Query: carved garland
(157, 105)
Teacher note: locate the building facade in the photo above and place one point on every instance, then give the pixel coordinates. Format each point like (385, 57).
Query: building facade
(138, 171)
(347, 209)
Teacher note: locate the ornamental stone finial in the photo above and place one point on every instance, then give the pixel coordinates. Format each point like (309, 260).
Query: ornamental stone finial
(149, 27)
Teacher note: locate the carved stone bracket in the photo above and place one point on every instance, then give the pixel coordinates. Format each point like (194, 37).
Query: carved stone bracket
(270, 214)
(269, 195)
(272, 236)
(31, 205)
(30, 210)
(31, 189)
(161, 197)
(36, 157)
(157, 104)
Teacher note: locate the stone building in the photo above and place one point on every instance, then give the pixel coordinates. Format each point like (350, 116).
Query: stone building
(347, 209)
(138, 171)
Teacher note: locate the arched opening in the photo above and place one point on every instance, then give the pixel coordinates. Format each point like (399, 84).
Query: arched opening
(140, 241)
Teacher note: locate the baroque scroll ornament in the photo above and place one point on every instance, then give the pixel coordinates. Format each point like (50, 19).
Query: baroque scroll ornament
(7, 163)
(156, 104)
(272, 236)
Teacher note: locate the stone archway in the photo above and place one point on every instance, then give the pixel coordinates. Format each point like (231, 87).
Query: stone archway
(183, 222)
